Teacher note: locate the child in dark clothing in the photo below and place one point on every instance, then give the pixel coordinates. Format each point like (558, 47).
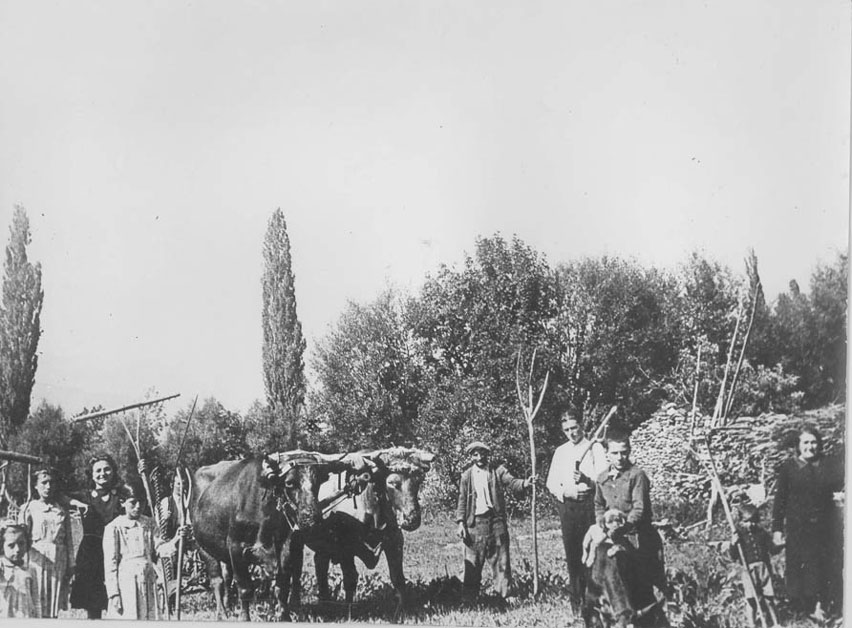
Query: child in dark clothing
(756, 545)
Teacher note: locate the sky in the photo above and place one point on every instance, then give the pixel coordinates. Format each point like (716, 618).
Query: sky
(151, 141)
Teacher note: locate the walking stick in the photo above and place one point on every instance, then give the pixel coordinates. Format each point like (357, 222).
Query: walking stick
(530, 411)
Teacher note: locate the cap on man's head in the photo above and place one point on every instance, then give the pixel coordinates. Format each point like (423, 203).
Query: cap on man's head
(477, 445)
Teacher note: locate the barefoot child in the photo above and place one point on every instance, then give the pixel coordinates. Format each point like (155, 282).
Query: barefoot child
(756, 545)
(50, 555)
(132, 542)
(17, 582)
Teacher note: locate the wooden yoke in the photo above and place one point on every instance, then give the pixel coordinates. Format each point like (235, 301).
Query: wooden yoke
(530, 410)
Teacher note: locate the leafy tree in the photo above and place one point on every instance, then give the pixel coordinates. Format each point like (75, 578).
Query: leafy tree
(283, 343)
(59, 442)
(618, 332)
(809, 332)
(214, 434)
(370, 377)
(20, 327)
(470, 324)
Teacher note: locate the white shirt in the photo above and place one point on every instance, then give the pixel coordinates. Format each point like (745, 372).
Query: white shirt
(479, 477)
(560, 478)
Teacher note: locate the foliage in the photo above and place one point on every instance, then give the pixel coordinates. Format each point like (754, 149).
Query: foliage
(283, 343)
(214, 434)
(20, 326)
(370, 377)
(265, 432)
(470, 323)
(617, 333)
(47, 434)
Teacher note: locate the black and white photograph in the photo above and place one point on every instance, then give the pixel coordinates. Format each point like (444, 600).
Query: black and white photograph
(436, 313)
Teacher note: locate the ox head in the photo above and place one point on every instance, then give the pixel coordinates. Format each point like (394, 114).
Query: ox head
(295, 477)
(402, 473)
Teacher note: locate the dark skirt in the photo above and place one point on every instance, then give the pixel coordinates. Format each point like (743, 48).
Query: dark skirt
(88, 591)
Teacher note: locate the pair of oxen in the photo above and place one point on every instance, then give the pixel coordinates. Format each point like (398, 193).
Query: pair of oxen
(262, 511)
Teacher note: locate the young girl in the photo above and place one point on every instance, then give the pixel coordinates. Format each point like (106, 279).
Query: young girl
(131, 544)
(18, 596)
(50, 553)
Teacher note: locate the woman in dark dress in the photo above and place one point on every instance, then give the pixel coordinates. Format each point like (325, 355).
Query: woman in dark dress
(808, 490)
(88, 591)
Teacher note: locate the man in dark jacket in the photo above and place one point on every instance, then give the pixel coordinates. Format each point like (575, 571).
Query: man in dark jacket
(481, 518)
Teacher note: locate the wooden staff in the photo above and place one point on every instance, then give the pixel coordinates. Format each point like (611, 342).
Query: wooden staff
(530, 410)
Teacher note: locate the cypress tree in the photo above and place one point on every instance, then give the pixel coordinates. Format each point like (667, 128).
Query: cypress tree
(283, 343)
(20, 327)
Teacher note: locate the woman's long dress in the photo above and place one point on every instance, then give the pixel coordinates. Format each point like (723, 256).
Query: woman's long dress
(88, 590)
(50, 555)
(805, 511)
(130, 547)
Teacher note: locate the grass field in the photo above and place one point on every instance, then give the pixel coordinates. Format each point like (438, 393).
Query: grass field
(706, 590)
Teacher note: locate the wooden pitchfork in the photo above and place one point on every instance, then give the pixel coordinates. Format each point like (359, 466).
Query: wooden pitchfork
(530, 410)
(182, 495)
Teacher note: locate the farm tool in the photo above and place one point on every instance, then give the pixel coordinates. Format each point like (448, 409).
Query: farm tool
(11, 456)
(530, 410)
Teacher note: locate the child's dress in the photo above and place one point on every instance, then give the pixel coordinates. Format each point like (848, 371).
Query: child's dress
(51, 553)
(18, 596)
(130, 547)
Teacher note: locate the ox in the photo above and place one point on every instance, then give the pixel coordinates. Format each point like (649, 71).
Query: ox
(244, 512)
(370, 522)
(614, 597)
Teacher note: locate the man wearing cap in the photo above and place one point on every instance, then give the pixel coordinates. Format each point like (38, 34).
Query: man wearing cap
(571, 480)
(481, 519)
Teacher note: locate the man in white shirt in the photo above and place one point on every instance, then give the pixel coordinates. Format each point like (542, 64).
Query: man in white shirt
(571, 480)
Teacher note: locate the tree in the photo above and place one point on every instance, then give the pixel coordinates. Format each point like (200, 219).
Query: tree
(283, 343)
(20, 326)
(370, 377)
(470, 323)
(214, 434)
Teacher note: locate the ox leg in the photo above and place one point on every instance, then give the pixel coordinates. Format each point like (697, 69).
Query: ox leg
(321, 562)
(394, 552)
(350, 577)
(243, 579)
(289, 576)
(217, 582)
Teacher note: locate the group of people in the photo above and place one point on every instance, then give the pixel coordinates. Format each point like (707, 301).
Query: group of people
(113, 568)
(604, 505)
(603, 501)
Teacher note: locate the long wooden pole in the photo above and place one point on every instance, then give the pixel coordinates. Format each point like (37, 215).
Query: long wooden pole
(16, 457)
(101, 413)
(529, 414)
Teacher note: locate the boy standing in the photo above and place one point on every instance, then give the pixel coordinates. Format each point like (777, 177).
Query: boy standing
(481, 519)
(756, 545)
